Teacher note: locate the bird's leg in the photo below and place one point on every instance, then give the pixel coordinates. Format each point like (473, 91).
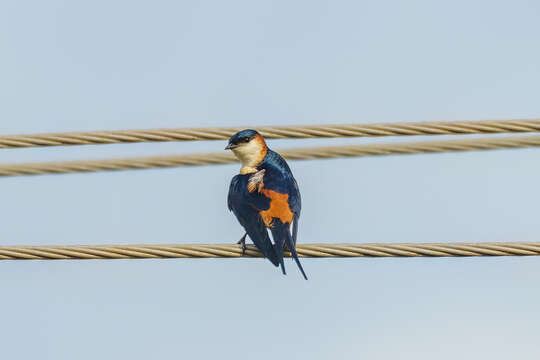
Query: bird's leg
(242, 242)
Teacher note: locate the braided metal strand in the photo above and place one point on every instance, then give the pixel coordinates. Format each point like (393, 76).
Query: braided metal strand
(273, 132)
(235, 251)
(292, 154)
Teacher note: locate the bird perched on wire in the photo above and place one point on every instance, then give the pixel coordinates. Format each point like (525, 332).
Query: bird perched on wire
(265, 196)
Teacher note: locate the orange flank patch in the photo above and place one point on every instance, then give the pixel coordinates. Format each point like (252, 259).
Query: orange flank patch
(279, 208)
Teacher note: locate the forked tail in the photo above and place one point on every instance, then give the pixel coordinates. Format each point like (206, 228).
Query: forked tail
(282, 236)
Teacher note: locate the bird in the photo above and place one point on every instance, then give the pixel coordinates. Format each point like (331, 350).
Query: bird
(265, 196)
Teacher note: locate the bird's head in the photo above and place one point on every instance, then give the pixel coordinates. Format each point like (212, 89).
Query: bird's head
(249, 147)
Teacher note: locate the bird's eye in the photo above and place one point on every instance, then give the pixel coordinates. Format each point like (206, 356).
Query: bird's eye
(245, 139)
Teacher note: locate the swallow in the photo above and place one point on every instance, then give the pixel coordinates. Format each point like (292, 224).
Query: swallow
(265, 196)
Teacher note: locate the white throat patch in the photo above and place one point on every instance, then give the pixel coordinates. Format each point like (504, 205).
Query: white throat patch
(250, 154)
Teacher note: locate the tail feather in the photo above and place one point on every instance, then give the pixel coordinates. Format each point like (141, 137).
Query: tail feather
(282, 237)
(278, 247)
(295, 227)
(292, 247)
(261, 239)
(257, 232)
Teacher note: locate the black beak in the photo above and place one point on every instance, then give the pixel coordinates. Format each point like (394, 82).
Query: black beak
(230, 146)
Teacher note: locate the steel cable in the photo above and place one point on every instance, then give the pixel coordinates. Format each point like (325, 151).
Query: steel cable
(508, 142)
(273, 132)
(235, 251)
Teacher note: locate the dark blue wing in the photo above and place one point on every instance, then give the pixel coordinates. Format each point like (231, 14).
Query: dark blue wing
(295, 202)
(279, 177)
(246, 207)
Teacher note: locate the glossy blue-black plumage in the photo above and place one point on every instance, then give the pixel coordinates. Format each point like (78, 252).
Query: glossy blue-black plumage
(242, 137)
(247, 206)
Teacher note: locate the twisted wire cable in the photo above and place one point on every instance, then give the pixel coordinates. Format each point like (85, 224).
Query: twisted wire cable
(291, 154)
(235, 251)
(273, 132)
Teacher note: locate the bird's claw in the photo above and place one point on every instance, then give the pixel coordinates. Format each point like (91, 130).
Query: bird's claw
(242, 242)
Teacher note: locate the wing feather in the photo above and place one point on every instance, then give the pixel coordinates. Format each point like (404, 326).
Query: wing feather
(246, 207)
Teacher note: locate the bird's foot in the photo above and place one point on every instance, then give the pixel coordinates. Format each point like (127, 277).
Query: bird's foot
(242, 242)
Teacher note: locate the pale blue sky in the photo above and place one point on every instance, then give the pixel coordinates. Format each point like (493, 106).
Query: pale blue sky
(73, 65)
